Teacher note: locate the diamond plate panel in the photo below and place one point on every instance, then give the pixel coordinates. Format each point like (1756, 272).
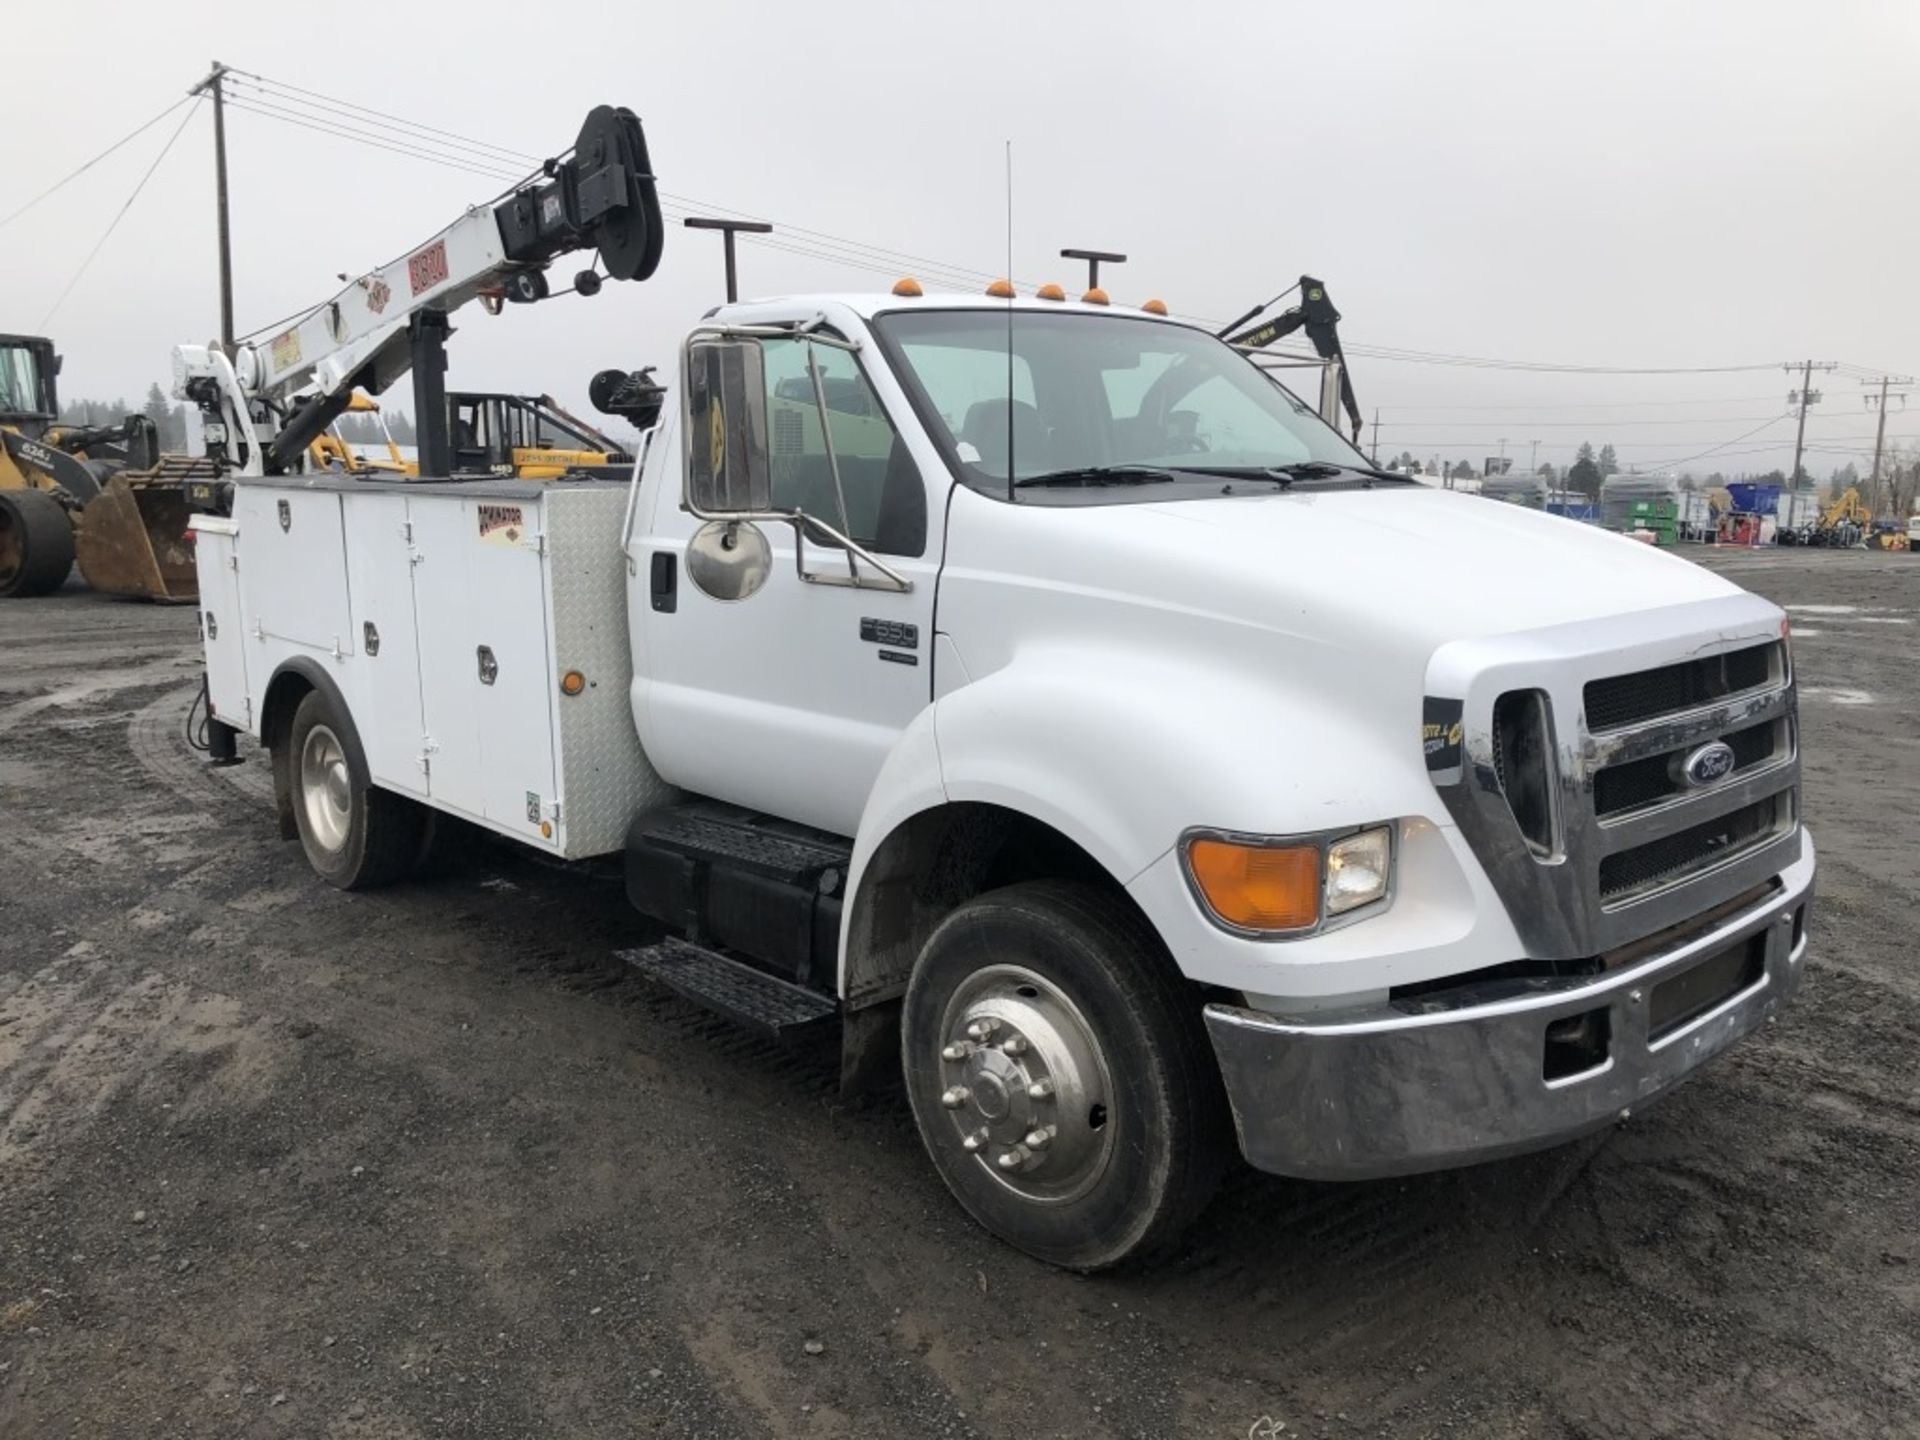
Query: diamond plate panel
(605, 777)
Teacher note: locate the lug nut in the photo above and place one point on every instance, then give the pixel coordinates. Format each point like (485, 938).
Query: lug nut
(954, 1098)
(1040, 1090)
(983, 1027)
(955, 1051)
(1039, 1139)
(1014, 1045)
(974, 1142)
(1014, 1158)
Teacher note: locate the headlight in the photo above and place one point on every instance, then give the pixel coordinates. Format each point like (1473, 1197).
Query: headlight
(1287, 886)
(1358, 869)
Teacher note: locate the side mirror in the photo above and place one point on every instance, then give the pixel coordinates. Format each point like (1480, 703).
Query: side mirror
(728, 469)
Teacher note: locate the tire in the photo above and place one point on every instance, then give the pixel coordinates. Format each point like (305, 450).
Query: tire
(1134, 1130)
(356, 836)
(36, 543)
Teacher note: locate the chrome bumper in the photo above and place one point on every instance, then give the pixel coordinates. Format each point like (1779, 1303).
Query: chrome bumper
(1392, 1091)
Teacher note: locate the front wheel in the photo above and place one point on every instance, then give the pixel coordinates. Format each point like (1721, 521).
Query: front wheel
(356, 835)
(1060, 1075)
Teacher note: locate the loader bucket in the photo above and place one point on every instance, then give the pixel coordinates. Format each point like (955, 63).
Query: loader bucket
(133, 540)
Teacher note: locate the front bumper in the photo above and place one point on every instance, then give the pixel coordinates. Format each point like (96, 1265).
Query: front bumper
(1396, 1088)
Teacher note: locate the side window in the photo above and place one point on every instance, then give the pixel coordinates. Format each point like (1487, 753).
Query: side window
(886, 497)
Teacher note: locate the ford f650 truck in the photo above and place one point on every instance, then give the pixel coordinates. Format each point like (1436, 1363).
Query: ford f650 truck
(1040, 693)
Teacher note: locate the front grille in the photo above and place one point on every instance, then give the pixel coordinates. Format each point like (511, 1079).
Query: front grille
(1619, 700)
(1621, 788)
(1674, 857)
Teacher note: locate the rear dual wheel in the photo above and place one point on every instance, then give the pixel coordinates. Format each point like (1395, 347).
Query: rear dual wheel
(36, 543)
(1061, 1076)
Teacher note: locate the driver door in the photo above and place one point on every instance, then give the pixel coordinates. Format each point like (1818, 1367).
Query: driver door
(788, 697)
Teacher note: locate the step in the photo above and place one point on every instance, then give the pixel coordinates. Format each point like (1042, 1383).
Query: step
(725, 833)
(718, 982)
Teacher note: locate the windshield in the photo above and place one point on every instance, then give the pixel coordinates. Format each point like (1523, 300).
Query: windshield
(20, 388)
(1091, 392)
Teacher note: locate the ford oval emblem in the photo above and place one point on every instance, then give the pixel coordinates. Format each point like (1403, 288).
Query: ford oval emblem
(1708, 764)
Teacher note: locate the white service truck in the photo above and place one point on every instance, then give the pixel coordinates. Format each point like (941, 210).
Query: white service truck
(1043, 695)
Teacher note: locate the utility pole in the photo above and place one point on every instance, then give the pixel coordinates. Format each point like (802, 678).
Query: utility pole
(1803, 397)
(214, 84)
(1376, 435)
(1533, 458)
(1880, 435)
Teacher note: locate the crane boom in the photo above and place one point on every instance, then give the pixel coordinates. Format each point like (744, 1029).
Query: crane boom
(393, 319)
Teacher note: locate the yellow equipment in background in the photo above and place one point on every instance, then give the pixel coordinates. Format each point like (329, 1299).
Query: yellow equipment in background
(528, 437)
(101, 494)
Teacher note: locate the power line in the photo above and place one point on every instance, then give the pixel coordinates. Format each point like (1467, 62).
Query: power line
(75, 174)
(1482, 424)
(1591, 404)
(309, 123)
(336, 102)
(384, 130)
(119, 215)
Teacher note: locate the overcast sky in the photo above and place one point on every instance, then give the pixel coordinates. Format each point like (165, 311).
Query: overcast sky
(1623, 184)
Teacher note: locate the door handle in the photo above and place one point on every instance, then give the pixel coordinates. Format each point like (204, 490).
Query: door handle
(489, 667)
(664, 581)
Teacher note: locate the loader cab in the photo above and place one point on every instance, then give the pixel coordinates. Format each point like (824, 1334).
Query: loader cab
(28, 397)
(522, 435)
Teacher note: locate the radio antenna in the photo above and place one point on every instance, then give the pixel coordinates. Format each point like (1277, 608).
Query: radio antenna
(1010, 485)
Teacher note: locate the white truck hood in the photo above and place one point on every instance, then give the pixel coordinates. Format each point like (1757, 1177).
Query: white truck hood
(1423, 566)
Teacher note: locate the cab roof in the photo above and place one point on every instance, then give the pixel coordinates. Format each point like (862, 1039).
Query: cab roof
(867, 304)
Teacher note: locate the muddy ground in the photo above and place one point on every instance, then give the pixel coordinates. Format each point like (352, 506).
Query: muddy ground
(277, 1160)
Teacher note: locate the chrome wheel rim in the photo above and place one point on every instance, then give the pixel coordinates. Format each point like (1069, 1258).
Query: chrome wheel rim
(326, 788)
(1025, 1084)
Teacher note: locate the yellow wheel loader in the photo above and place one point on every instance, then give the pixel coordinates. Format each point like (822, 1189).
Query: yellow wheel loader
(100, 494)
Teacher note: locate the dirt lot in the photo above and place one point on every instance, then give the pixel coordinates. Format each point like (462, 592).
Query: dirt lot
(276, 1160)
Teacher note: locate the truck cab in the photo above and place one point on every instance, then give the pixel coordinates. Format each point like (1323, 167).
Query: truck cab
(1042, 693)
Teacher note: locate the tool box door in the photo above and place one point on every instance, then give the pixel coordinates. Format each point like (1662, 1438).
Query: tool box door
(296, 557)
(480, 597)
(380, 584)
(215, 548)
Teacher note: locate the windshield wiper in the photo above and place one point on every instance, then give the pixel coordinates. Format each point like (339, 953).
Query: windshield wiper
(1325, 470)
(1098, 475)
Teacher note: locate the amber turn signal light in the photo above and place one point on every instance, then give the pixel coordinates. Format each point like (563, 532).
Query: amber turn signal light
(1269, 888)
(572, 683)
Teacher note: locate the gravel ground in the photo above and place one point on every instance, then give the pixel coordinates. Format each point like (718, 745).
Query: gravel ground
(276, 1160)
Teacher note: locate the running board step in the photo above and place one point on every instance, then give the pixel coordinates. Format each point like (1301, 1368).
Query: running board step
(752, 998)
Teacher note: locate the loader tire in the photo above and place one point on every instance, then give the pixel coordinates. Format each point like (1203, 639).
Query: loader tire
(36, 543)
(356, 835)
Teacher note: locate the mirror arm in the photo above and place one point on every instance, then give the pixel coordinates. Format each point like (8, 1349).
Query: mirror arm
(800, 520)
(633, 496)
(833, 460)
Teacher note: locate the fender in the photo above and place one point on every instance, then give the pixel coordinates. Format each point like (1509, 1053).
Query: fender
(1124, 751)
(1121, 753)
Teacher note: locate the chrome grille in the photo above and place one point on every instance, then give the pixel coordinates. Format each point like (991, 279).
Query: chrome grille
(1636, 847)
(1625, 787)
(1617, 700)
(1657, 830)
(1673, 857)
